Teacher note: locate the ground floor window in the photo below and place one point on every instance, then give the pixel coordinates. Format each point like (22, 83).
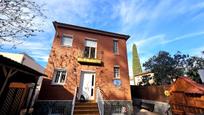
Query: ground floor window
(59, 76)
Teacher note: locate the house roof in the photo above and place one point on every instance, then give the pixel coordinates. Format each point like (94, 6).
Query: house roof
(24, 59)
(198, 88)
(20, 67)
(195, 88)
(91, 30)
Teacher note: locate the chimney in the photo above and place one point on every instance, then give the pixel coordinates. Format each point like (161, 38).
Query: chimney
(201, 73)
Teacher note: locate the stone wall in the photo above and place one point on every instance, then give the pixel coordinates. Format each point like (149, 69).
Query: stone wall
(118, 107)
(51, 107)
(159, 107)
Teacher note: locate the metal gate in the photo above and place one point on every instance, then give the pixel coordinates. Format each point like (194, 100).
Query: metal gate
(14, 99)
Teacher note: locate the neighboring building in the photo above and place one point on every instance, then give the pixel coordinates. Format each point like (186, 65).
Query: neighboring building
(23, 59)
(132, 81)
(89, 59)
(186, 97)
(201, 73)
(28, 61)
(144, 78)
(18, 84)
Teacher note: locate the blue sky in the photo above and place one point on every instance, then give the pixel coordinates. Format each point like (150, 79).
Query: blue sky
(154, 25)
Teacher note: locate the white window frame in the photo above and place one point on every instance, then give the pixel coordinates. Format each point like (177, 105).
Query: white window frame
(117, 52)
(54, 76)
(69, 37)
(91, 39)
(116, 66)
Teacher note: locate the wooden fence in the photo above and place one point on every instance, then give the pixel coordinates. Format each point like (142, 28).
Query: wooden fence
(155, 93)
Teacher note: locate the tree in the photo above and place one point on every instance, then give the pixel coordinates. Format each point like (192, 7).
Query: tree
(136, 67)
(164, 68)
(19, 20)
(202, 52)
(193, 65)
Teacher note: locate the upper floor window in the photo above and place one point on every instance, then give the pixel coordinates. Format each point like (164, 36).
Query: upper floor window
(116, 72)
(115, 46)
(59, 76)
(90, 49)
(67, 40)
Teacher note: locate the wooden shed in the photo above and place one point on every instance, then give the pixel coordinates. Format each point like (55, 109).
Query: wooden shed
(17, 86)
(186, 97)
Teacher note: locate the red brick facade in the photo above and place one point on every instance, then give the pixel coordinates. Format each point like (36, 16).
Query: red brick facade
(66, 57)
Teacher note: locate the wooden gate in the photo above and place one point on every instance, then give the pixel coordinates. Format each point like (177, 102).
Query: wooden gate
(14, 100)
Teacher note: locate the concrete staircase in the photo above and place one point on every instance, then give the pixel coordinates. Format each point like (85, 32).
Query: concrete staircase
(86, 108)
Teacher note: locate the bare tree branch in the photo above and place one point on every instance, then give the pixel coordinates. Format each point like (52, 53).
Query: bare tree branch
(19, 20)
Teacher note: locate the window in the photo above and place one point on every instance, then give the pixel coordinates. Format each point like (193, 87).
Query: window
(67, 41)
(90, 49)
(59, 76)
(116, 72)
(115, 46)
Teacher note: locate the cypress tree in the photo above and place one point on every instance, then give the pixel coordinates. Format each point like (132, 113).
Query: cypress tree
(136, 67)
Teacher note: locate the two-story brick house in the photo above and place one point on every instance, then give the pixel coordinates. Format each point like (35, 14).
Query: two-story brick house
(89, 59)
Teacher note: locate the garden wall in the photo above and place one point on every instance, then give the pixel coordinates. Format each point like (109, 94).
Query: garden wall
(155, 93)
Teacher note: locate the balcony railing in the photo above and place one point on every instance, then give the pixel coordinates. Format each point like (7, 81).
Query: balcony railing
(87, 60)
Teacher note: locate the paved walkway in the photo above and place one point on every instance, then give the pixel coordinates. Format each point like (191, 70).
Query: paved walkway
(145, 112)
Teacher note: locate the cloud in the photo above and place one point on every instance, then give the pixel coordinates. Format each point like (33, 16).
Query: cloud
(37, 48)
(147, 14)
(144, 20)
(143, 44)
(186, 36)
(153, 40)
(195, 51)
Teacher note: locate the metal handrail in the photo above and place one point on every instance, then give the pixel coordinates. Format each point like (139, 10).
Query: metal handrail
(74, 100)
(100, 101)
(99, 55)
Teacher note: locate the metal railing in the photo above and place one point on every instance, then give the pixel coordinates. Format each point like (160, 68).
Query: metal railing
(100, 101)
(98, 55)
(74, 100)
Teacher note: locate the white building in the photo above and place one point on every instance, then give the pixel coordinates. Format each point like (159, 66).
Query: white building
(201, 73)
(144, 78)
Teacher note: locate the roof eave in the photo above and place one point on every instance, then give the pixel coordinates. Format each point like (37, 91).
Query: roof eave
(91, 30)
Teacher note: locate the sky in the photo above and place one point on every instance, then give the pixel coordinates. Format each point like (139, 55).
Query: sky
(154, 25)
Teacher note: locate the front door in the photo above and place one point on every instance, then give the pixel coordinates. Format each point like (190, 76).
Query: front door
(87, 85)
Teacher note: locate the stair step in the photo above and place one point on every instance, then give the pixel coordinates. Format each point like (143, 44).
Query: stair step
(85, 107)
(86, 112)
(85, 103)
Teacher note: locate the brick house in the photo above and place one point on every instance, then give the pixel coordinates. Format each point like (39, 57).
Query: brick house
(90, 60)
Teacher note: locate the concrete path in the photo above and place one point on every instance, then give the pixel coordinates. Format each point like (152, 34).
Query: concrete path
(145, 112)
